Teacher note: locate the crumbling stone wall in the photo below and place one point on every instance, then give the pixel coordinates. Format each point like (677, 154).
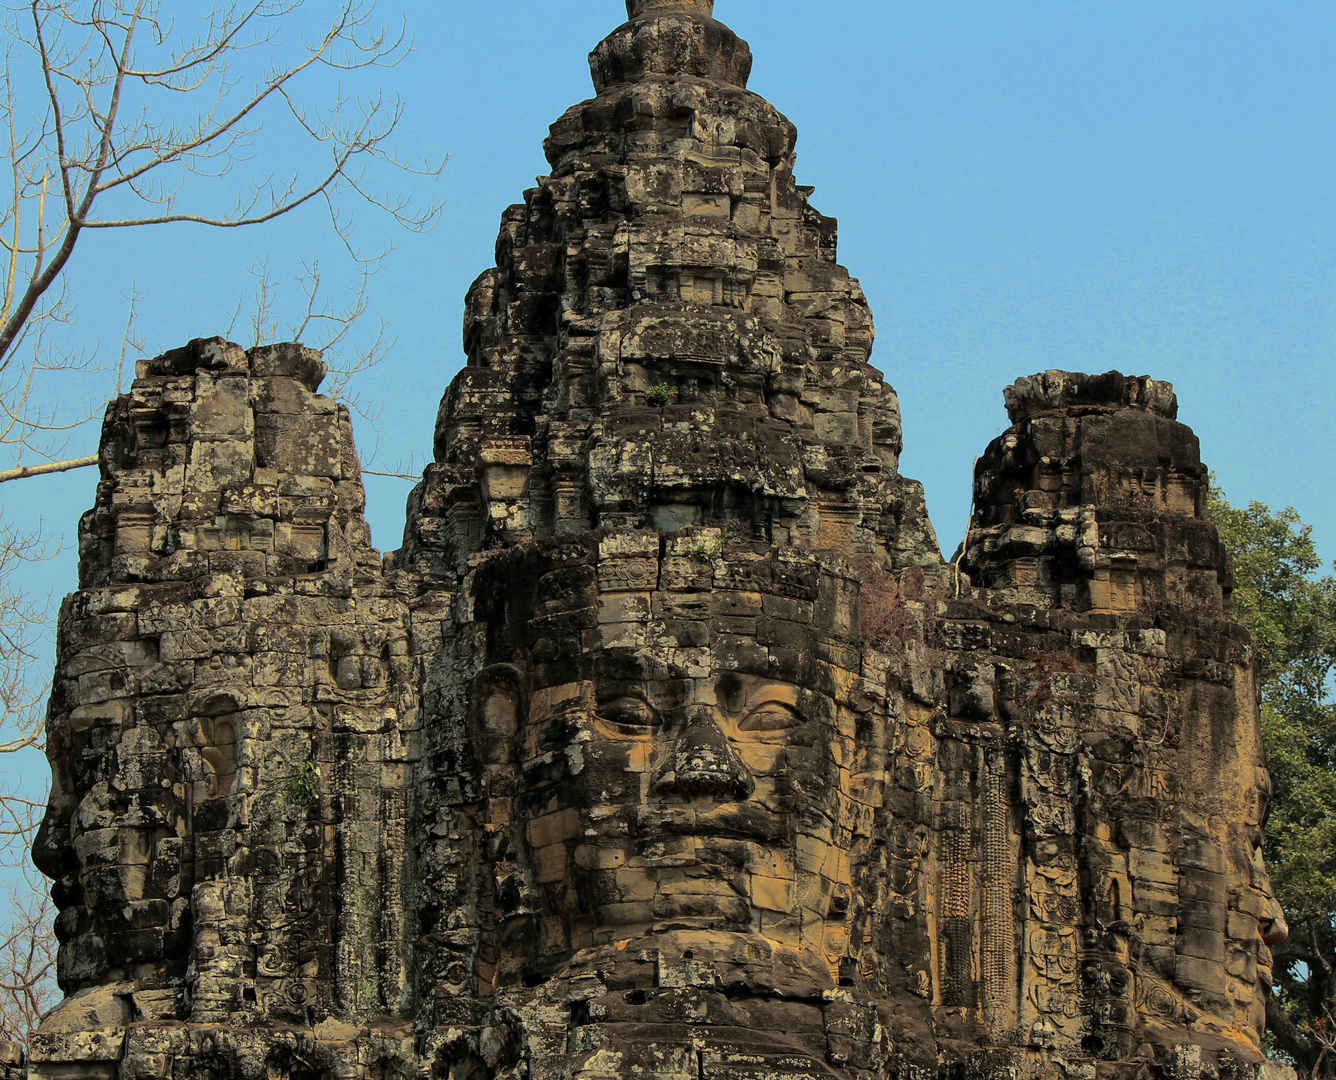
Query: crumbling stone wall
(667, 744)
(229, 726)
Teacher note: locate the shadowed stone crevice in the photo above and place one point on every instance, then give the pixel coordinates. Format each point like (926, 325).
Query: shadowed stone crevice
(666, 745)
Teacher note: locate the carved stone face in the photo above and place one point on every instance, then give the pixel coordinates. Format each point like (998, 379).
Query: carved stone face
(121, 851)
(1225, 915)
(1227, 918)
(1254, 920)
(689, 799)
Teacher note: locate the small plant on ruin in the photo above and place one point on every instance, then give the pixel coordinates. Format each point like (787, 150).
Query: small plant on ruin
(1046, 666)
(304, 784)
(662, 394)
(706, 551)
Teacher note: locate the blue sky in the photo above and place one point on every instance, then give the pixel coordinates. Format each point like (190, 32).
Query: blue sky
(1137, 185)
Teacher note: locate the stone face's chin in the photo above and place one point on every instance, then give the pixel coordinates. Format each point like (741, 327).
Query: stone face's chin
(710, 958)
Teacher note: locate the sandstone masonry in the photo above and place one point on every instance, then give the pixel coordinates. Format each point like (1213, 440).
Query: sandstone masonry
(667, 744)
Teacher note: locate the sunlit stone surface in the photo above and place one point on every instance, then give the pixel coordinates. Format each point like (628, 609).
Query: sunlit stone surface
(667, 744)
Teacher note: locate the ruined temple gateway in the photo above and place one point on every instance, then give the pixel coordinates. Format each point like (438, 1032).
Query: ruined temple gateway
(667, 746)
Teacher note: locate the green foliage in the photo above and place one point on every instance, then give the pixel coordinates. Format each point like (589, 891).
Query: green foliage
(1277, 596)
(304, 784)
(1291, 611)
(662, 394)
(1302, 829)
(708, 550)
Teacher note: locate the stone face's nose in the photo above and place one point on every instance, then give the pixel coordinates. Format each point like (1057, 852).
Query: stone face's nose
(1272, 925)
(637, 8)
(702, 763)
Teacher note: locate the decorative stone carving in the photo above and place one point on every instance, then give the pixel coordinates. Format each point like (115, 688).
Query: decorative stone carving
(666, 744)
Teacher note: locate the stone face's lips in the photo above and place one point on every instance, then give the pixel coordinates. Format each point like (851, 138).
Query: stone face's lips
(736, 821)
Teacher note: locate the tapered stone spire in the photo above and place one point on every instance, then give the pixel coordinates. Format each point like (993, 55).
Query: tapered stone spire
(668, 338)
(671, 40)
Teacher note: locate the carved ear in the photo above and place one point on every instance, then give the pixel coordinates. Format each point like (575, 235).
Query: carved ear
(500, 694)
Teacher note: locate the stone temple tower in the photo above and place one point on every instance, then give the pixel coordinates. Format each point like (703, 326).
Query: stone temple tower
(666, 745)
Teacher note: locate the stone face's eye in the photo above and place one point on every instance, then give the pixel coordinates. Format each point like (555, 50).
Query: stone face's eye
(771, 716)
(630, 712)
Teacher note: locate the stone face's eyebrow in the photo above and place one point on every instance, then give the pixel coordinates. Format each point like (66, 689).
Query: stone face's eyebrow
(776, 693)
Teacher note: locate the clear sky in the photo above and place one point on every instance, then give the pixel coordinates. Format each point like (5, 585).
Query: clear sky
(1132, 184)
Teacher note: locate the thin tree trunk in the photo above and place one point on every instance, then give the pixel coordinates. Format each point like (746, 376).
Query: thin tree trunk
(1291, 1041)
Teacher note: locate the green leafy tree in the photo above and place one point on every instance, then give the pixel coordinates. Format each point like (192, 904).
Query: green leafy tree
(1290, 608)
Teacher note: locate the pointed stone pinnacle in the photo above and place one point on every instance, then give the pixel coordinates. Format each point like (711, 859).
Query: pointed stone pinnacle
(637, 8)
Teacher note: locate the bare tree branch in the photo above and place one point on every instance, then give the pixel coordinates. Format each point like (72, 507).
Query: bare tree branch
(124, 114)
(25, 471)
(27, 960)
(143, 124)
(410, 477)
